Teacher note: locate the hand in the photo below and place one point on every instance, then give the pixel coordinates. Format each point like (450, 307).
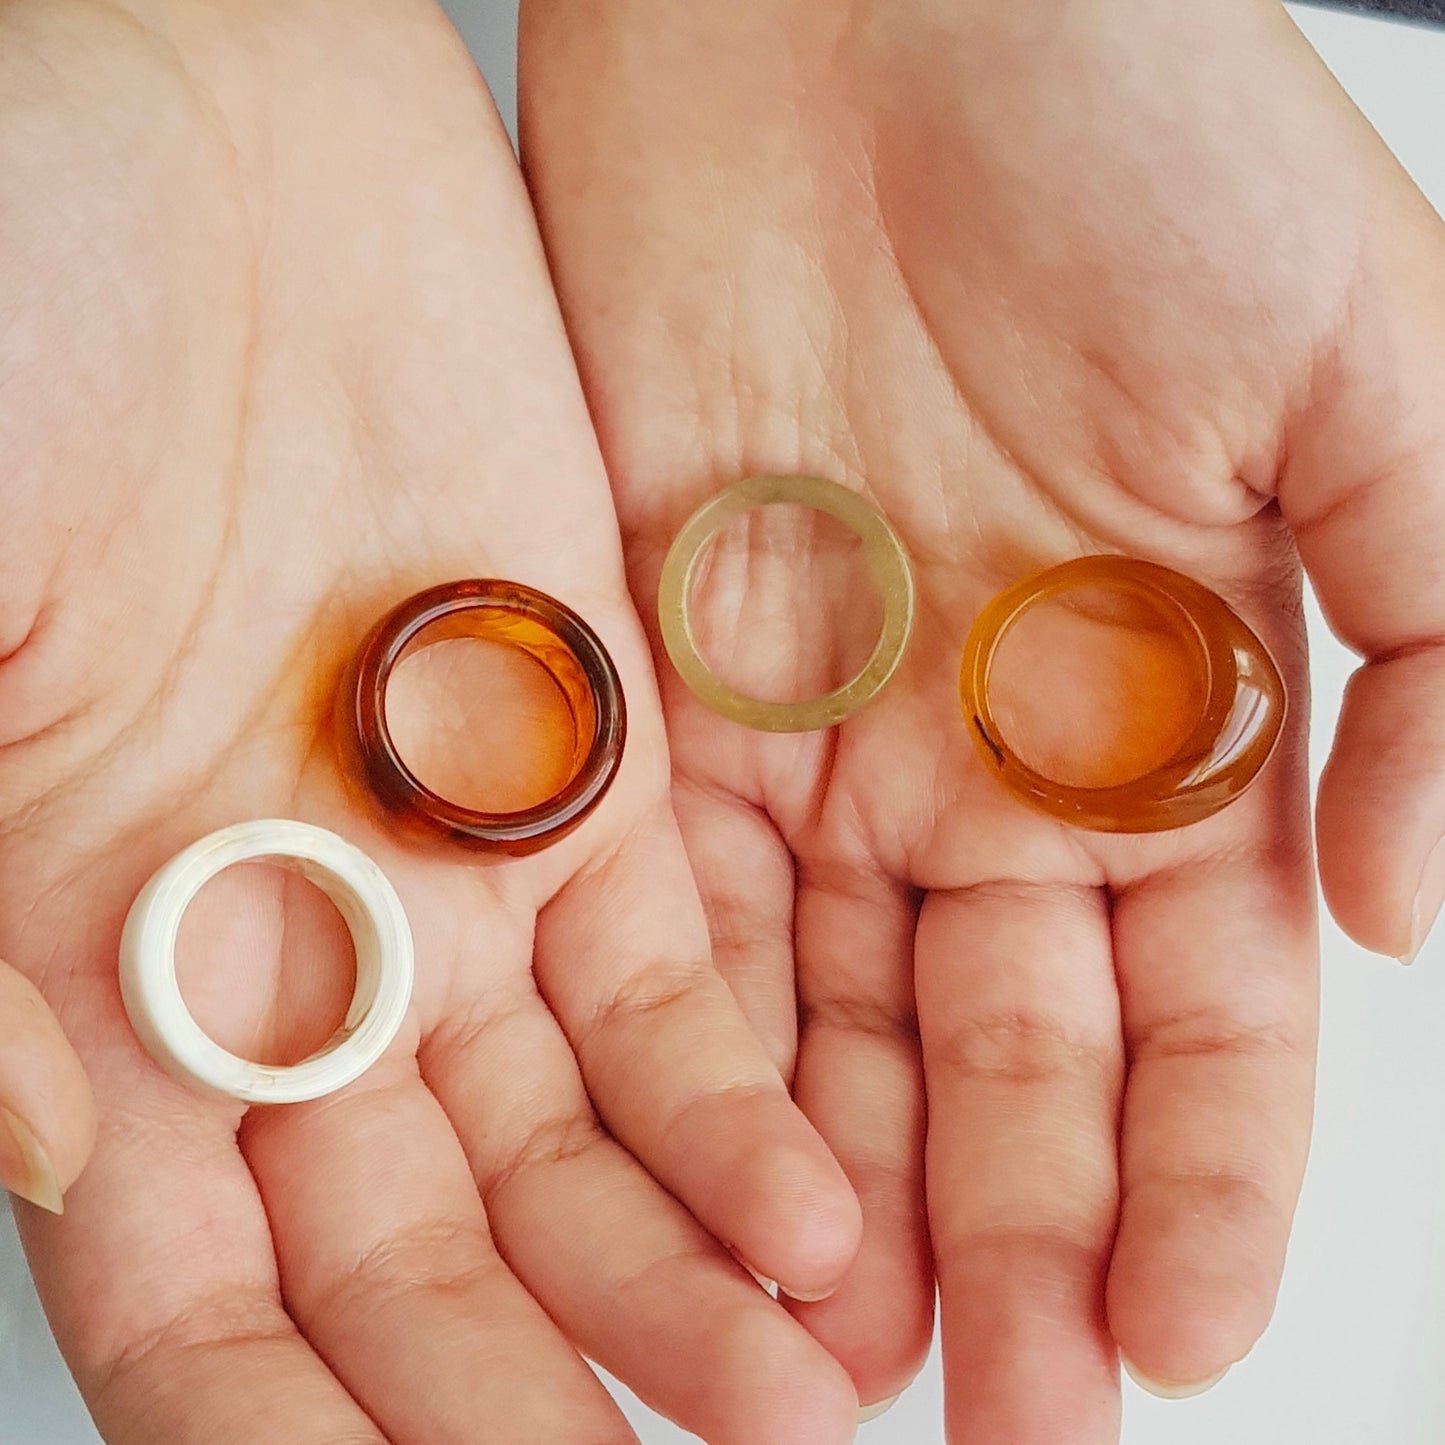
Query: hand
(279, 349)
(1043, 280)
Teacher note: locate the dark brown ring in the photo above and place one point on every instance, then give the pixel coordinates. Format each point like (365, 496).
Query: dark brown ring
(404, 796)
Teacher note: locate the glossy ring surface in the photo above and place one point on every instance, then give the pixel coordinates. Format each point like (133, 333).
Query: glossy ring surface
(379, 931)
(887, 561)
(1237, 729)
(517, 616)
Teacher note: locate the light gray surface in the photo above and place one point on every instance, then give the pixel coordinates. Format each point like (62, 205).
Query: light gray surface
(1357, 1353)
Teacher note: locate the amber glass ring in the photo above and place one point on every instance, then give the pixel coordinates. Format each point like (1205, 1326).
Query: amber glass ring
(887, 560)
(517, 616)
(1233, 737)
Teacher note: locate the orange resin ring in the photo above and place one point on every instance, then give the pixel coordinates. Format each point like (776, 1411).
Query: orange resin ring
(516, 616)
(1236, 730)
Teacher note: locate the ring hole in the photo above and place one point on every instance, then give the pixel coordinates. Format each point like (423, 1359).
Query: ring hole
(265, 963)
(783, 605)
(490, 711)
(1097, 686)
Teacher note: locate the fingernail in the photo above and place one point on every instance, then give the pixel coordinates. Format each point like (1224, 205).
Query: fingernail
(1428, 898)
(805, 1299)
(771, 1285)
(1161, 1391)
(872, 1412)
(34, 1177)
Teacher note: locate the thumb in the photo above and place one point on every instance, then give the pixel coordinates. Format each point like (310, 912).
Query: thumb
(47, 1111)
(1364, 491)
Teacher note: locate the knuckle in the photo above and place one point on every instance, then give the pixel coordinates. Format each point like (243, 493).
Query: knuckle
(1024, 1048)
(646, 996)
(877, 1019)
(1060, 1249)
(472, 1029)
(442, 1256)
(227, 1317)
(1209, 1033)
(546, 1144)
(1225, 1194)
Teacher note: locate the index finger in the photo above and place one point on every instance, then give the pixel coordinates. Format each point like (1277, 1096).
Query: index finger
(161, 1287)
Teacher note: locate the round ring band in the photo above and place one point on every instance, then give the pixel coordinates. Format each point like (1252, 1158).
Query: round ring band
(379, 930)
(548, 632)
(887, 560)
(1231, 741)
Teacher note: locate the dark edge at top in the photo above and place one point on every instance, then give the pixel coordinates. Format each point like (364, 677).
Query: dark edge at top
(1432, 11)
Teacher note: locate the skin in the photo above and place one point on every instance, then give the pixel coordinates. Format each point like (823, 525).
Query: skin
(1041, 280)
(279, 349)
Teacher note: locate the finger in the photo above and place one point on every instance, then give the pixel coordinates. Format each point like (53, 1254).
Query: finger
(388, 1267)
(860, 1081)
(1024, 1063)
(680, 1078)
(622, 1267)
(1217, 972)
(47, 1112)
(161, 1287)
(1364, 490)
(744, 873)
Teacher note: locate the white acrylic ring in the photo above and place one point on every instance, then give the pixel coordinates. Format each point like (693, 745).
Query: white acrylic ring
(379, 931)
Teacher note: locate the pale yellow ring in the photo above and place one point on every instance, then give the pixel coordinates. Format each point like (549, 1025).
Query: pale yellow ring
(887, 560)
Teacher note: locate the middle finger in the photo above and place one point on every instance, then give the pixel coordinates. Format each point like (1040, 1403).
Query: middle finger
(388, 1267)
(620, 1264)
(1023, 1058)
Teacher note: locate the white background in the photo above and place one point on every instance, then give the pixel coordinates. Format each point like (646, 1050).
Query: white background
(1357, 1352)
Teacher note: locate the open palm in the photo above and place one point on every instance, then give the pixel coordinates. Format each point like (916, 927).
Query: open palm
(1043, 281)
(278, 351)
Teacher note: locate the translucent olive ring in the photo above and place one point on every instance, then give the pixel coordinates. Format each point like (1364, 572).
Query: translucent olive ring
(1235, 733)
(887, 561)
(517, 616)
